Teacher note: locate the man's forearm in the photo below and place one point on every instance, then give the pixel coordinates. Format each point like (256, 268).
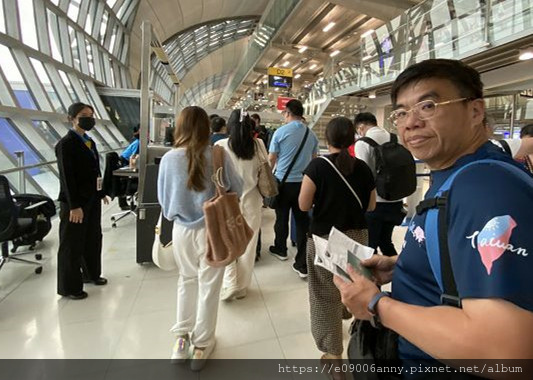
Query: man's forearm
(446, 332)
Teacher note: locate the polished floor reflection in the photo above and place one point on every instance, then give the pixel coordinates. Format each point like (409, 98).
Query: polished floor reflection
(131, 316)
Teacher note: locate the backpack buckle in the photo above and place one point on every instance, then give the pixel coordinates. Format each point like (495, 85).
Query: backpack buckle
(448, 300)
(441, 201)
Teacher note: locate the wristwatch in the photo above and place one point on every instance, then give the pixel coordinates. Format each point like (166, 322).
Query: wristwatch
(375, 321)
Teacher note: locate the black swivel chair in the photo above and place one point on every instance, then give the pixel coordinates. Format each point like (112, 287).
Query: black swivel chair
(13, 227)
(115, 186)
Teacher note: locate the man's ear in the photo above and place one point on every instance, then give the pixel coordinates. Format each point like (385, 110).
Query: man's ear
(478, 111)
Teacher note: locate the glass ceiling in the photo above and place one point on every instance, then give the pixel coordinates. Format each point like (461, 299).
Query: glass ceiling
(189, 47)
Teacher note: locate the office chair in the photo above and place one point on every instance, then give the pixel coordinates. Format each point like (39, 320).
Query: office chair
(115, 186)
(13, 227)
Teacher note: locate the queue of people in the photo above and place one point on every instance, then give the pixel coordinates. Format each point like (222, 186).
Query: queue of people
(456, 310)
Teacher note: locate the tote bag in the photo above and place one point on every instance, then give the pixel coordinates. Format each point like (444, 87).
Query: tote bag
(227, 232)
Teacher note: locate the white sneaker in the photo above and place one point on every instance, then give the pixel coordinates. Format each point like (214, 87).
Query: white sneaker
(200, 356)
(229, 293)
(180, 351)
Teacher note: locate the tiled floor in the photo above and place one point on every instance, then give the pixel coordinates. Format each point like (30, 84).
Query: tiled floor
(131, 316)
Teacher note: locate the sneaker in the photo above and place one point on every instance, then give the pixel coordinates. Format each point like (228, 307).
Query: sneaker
(229, 293)
(301, 272)
(180, 351)
(200, 356)
(274, 251)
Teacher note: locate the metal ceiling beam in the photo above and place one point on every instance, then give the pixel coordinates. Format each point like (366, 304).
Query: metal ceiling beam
(381, 9)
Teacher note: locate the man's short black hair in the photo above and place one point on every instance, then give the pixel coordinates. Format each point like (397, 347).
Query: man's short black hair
(217, 124)
(365, 118)
(295, 107)
(212, 116)
(256, 116)
(465, 78)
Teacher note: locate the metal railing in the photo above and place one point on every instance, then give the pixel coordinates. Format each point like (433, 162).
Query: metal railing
(431, 29)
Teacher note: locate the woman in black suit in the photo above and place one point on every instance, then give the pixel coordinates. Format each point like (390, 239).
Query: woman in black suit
(79, 259)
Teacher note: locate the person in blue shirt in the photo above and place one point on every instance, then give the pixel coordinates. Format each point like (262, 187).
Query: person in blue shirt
(131, 149)
(438, 111)
(283, 148)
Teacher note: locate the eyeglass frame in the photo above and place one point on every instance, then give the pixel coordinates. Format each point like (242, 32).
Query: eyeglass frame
(411, 109)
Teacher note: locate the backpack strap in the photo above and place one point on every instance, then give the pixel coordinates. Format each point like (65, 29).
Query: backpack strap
(369, 141)
(506, 147)
(436, 227)
(393, 138)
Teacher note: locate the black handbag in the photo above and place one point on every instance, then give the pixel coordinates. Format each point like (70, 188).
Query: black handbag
(372, 345)
(273, 202)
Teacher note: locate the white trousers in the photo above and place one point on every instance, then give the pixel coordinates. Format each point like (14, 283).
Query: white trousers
(198, 287)
(238, 274)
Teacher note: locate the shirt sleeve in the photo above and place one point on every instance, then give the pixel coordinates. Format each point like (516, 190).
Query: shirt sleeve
(363, 152)
(65, 160)
(315, 143)
(489, 234)
(274, 144)
(312, 170)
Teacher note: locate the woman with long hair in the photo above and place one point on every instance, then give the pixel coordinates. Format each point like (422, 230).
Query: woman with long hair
(335, 205)
(245, 152)
(184, 184)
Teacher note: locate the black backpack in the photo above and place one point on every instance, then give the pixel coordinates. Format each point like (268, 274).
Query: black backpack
(395, 169)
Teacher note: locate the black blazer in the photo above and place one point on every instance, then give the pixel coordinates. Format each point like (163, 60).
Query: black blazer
(79, 168)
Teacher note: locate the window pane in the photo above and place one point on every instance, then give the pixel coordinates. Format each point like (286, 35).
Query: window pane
(27, 23)
(47, 132)
(12, 142)
(111, 3)
(47, 84)
(15, 79)
(68, 85)
(53, 32)
(103, 27)
(2, 20)
(73, 10)
(74, 47)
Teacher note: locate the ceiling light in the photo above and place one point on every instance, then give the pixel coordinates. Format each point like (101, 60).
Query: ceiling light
(372, 95)
(526, 54)
(366, 57)
(336, 52)
(302, 49)
(328, 27)
(265, 81)
(312, 66)
(297, 76)
(367, 33)
(286, 63)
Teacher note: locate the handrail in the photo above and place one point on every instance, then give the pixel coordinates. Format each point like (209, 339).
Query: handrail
(47, 163)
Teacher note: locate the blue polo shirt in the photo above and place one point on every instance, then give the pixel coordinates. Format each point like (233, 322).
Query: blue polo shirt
(489, 237)
(132, 149)
(285, 142)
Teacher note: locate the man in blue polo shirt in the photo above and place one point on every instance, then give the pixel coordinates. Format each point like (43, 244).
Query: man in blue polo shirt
(283, 148)
(438, 111)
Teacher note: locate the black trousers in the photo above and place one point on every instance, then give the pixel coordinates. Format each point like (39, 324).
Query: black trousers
(80, 248)
(288, 200)
(381, 223)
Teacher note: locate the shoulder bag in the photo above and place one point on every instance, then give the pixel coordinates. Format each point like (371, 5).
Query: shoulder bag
(162, 254)
(227, 232)
(266, 182)
(273, 202)
(345, 181)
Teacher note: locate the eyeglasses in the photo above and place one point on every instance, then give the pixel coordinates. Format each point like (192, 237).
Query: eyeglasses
(424, 110)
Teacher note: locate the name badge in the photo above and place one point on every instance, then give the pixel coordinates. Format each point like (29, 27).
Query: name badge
(99, 182)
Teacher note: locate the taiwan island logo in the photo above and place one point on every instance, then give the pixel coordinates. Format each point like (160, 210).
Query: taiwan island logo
(493, 240)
